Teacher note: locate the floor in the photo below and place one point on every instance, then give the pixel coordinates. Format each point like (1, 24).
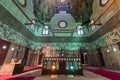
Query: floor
(87, 76)
(37, 76)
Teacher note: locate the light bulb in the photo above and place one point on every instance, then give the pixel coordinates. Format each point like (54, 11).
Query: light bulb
(108, 50)
(12, 49)
(53, 67)
(4, 47)
(114, 49)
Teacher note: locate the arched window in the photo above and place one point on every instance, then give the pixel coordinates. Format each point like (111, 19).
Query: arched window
(45, 30)
(32, 27)
(93, 27)
(80, 30)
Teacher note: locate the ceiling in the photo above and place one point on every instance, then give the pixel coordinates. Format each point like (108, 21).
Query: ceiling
(73, 12)
(19, 16)
(81, 10)
(47, 12)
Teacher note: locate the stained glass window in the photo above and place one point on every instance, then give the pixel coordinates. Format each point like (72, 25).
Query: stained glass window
(45, 30)
(80, 30)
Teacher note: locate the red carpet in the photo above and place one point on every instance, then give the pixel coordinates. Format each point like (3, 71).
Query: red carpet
(32, 68)
(4, 77)
(109, 74)
(21, 78)
(16, 78)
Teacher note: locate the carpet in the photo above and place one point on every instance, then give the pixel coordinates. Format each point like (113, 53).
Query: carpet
(15, 78)
(31, 68)
(21, 78)
(106, 73)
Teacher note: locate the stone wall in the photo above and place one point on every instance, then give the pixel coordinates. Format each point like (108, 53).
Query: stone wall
(93, 58)
(111, 57)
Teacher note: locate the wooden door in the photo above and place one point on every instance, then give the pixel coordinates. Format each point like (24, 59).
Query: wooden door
(62, 67)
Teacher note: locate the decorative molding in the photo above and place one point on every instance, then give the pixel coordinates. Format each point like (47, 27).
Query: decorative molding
(62, 24)
(13, 36)
(13, 23)
(104, 10)
(23, 3)
(16, 3)
(111, 24)
(111, 37)
(67, 46)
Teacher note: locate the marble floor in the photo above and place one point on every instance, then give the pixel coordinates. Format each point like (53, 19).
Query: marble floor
(87, 76)
(37, 74)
